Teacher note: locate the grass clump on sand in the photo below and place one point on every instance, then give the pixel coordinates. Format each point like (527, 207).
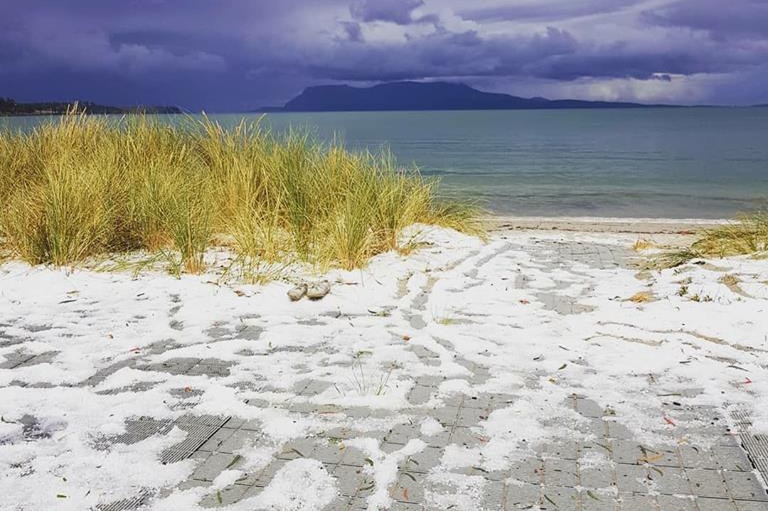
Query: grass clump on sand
(83, 186)
(748, 235)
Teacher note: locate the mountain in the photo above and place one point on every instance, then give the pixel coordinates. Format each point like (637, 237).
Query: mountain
(425, 96)
(10, 107)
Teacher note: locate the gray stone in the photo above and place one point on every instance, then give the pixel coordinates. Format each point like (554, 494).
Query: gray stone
(745, 486)
(707, 504)
(707, 483)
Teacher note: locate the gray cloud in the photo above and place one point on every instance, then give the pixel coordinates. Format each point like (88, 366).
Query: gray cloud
(239, 54)
(395, 11)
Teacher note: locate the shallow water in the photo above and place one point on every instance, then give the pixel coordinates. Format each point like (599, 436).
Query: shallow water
(673, 163)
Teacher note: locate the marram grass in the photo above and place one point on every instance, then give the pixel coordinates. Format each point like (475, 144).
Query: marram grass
(85, 186)
(747, 235)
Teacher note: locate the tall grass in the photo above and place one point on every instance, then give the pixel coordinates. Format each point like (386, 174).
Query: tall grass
(83, 186)
(748, 235)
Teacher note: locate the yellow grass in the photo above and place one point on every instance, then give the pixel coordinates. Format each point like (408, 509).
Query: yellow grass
(85, 186)
(747, 235)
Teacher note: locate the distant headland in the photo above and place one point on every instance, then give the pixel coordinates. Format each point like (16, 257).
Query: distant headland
(427, 96)
(9, 107)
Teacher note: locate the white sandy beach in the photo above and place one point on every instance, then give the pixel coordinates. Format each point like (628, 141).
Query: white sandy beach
(538, 316)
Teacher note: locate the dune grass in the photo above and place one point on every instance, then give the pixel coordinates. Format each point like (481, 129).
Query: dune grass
(83, 186)
(747, 235)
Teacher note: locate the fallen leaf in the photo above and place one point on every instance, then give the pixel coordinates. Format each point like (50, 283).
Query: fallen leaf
(234, 461)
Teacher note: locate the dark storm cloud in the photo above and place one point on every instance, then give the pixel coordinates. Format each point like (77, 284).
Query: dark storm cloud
(547, 10)
(396, 11)
(723, 20)
(239, 54)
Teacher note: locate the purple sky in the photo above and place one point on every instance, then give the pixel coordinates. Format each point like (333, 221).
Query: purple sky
(233, 55)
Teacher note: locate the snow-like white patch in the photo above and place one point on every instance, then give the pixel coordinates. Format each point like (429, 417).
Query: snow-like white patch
(301, 485)
(430, 427)
(476, 318)
(383, 467)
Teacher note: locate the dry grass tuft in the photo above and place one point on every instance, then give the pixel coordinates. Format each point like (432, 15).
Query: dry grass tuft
(641, 297)
(84, 186)
(643, 244)
(748, 235)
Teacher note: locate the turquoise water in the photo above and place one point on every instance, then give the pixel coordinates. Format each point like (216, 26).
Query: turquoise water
(672, 163)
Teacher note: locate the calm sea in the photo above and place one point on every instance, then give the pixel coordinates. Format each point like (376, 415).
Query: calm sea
(669, 163)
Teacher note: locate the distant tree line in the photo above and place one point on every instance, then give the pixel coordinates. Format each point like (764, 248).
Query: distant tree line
(9, 106)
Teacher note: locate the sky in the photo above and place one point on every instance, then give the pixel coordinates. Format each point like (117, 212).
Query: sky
(237, 55)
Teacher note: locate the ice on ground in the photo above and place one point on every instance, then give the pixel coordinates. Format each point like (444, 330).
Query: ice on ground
(82, 353)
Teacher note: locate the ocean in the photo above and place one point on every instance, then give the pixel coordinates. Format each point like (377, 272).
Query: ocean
(629, 163)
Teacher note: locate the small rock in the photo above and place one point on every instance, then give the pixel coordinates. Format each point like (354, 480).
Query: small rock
(296, 293)
(318, 290)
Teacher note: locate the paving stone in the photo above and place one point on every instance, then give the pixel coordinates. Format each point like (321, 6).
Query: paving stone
(566, 450)
(446, 416)
(673, 503)
(215, 441)
(627, 452)
(693, 457)
(422, 461)
(616, 430)
(328, 452)
(670, 481)
(598, 477)
(522, 496)
(297, 448)
(706, 504)
(746, 505)
(265, 476)
(238, 439)
(527, 471)
(493, 496)
(419, 394)
(641, 502)
(632, 478)
(408, 488)
(214, 465)
(353, 481)
(355, 457)
(402, 433)
(560, 473)
(732, 458)
(560, 498)
(707, 483)
(589, 408)
(342, 503)
(593, 501)
(482, 401)
(594, 427)
(225, 497)
(466, 437)
(745, 486)
(469, 417)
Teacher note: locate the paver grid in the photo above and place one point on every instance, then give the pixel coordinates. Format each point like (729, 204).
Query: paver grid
(557, 475)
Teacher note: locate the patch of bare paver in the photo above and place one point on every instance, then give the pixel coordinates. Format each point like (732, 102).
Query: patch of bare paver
(700, 464)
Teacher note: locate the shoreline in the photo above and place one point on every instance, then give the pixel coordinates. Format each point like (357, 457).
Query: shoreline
(616, 225)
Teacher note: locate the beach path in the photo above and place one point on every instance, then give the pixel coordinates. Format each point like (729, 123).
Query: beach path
(537, 370)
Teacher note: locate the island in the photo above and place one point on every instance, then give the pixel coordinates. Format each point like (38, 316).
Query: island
(396, 96)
